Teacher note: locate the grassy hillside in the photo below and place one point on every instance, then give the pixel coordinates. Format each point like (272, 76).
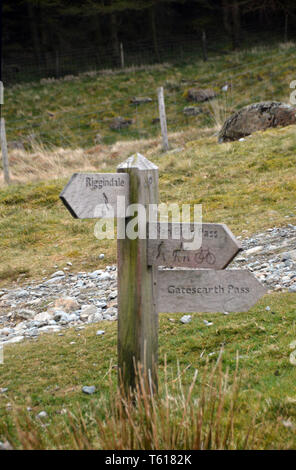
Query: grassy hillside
(70, 112)
(264, 405)
(248, 185)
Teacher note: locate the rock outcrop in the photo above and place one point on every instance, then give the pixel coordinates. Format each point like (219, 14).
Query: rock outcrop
(141, 100)
(256, 117)
(120, 123)
(199, 95)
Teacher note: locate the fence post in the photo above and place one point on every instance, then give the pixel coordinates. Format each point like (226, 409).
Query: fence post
(137, 309)
(286, 27)
(162, 117)
(121, 55)
(4, 152)
(57, 63)
(204, 46)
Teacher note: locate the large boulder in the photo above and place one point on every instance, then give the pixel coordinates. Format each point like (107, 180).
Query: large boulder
(257, 117)
(200, 95)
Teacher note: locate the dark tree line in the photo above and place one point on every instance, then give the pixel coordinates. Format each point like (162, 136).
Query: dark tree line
(40, 27)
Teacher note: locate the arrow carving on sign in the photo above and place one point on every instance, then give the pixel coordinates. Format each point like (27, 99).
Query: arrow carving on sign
(93, 195)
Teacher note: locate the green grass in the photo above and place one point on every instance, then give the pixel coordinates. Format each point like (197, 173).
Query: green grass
(260, 340)
(248, 185)
(71, 113)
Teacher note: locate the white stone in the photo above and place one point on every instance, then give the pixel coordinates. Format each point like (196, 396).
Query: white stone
(20, 326)
(112, 311)
(43, 317)
(105, 277)
(89, 390)
(108, 317)
(53, 280)
(33, 332)
(58, 274)
(186, 319)
(6, 331)
(50, 329)
(95, 274)
(73, 317)
(87, 310)
(95, 317)
(25, 314)
(20, 293)
(66, 318)
(252, 251)
(16, 339)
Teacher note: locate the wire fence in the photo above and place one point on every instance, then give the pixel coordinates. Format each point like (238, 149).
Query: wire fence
(97, 123)
(58, 63)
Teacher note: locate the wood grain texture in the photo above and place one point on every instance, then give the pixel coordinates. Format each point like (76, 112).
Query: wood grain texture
(94, 195)
(207, 290)
(218, 246)
(4, 152)
(162, 117)
(137, 310)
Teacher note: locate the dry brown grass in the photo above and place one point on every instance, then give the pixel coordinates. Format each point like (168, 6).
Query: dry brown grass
(197, 417)
(41, 163)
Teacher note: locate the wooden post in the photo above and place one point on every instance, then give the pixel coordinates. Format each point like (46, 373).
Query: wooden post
(162, 116)
(121, 55)
(57, 63)
(204, 46)
(1, 93)
(137, 309)
(286, 27)
(4, 152)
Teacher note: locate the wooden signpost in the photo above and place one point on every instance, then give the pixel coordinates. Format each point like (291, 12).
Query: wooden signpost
(137, 309)
(144, 290)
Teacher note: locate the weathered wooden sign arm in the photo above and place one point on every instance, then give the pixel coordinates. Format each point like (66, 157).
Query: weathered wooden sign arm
(207, 290)
(217, 250)
(94, 195)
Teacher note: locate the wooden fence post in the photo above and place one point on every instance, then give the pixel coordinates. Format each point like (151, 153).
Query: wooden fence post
(57, 63)
(286, 27)
(121, 55)
(137, 309)
(204, 46)
(4, 152)
(162, 117)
